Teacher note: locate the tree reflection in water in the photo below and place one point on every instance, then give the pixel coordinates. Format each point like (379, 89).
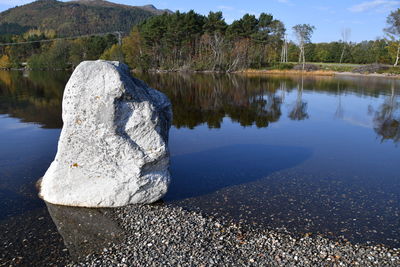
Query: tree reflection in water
(299, 110)
(33, 96)
(339, 114)
(208, 98)
(387, 117)
(199, 99)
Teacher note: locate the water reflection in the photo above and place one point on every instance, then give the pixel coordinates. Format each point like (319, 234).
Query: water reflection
(387, 117)
(33, 97)
(207, 99)
(85, 231)
(254, 100)
(339, 113)
(299, 110)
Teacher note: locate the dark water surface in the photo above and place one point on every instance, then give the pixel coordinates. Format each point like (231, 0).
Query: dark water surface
(313, 155)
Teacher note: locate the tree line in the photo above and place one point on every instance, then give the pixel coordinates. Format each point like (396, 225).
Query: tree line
(191, 41)
(57, 55)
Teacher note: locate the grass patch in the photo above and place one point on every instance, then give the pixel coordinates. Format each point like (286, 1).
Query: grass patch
(325, 69)
(288, 72)
(336, 67)
(391, 70)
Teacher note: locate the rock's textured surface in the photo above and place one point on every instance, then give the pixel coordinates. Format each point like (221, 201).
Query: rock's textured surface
(113, 146)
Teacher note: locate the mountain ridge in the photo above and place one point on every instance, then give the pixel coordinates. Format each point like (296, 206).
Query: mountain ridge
(77, 17)
(105, 3)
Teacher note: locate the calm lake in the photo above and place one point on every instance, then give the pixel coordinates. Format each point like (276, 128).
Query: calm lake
(316, 155)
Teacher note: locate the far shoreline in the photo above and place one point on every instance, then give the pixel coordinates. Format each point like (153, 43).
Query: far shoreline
(326, 73)
(316, 73)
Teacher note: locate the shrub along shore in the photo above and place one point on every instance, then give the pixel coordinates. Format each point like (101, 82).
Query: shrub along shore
(311, 69)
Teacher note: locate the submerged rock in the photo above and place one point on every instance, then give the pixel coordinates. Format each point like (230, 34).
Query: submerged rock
(113, 148)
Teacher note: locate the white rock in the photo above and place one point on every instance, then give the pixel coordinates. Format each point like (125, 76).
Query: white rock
(113, 148)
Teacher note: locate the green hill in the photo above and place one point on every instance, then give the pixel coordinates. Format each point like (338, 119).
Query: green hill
(74, 17)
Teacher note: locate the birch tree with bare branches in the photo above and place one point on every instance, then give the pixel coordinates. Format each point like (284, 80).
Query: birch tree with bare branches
(303, 34)
(284, 53)
(346, 32)
(393, 31)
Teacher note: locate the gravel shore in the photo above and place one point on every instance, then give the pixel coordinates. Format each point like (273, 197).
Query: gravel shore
(161, 235)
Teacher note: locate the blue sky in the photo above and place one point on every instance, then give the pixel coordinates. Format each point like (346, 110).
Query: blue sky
(366, 18)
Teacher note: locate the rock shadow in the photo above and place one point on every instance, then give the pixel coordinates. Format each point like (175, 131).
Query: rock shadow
(208, 171)
(85, 231)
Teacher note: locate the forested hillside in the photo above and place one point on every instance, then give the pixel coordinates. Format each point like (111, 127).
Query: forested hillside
(73, 18)
(173, 41)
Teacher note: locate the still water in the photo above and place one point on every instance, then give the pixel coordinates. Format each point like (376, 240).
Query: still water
(313, 155)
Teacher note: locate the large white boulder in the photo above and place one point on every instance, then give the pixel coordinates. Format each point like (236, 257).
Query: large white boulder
(113, 148)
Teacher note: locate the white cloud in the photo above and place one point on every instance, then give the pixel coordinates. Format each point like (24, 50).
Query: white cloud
(378, 5)
(225, 7)
(286, 2)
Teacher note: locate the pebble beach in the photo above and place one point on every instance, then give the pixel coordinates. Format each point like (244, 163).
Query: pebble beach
(162, 235)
